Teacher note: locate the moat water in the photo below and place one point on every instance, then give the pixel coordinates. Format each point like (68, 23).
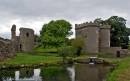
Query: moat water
(77, 72)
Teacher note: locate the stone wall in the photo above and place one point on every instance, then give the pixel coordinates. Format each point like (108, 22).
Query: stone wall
(17, 44)
(6, 49)
(111, 50)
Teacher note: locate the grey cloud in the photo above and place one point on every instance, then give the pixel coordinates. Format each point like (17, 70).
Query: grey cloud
(61, 8)
(30, 11)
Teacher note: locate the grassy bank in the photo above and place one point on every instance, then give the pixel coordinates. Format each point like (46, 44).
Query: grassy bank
(50, 58)
(122, 72)
(24, 58)
(43, 58)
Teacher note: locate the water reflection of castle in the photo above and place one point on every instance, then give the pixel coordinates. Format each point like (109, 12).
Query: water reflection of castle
(33, 76)
(86, 72)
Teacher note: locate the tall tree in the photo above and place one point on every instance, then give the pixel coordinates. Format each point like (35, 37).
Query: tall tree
(119, 31)
(55, 33)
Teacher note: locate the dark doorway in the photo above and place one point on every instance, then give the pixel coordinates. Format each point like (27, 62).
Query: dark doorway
(20, 47)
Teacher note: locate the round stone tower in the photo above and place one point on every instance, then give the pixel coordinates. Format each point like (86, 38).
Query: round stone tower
(105, 36)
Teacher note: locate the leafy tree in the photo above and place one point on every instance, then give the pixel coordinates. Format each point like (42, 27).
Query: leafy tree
(37, 41)
(55, 33)
(119, 31)
(66, 51)
(98, 20)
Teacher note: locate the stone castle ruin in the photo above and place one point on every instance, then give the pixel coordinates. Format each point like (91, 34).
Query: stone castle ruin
(25, 41)
(96, 37)
(22, 43)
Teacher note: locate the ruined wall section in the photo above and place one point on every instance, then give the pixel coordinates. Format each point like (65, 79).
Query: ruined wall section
(17, 42)
(13, 32)
(26, 39)
(6, 49)
(13, 39)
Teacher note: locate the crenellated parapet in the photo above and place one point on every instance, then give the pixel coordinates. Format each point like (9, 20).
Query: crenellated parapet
(105, 26)
(86, 24)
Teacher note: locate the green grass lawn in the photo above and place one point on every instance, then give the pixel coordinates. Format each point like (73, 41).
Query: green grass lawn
(122, 72)
(45, 50)
(24, 58)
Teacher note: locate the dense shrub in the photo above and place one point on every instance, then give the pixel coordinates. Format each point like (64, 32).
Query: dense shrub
(78, 44)
(67, 51)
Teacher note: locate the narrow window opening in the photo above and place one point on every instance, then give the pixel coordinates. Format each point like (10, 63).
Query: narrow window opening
(27, 34)
(20, 47)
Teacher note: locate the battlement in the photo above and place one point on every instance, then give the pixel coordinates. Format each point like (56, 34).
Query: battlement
(106, 26)
(86, 24)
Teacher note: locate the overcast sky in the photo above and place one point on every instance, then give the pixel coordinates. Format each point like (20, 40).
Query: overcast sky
(34, 13)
